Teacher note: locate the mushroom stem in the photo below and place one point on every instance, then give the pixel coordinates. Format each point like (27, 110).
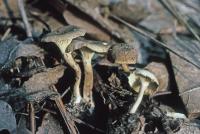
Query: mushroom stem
(125, 68)
(144, 86)
(88, 78)
(71, 62)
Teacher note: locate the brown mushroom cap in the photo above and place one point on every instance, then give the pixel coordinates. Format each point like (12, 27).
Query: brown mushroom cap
(63, 36)
(123, 54)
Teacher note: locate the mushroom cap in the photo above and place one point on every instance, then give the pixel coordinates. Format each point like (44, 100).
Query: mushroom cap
(63, 36)
(95, 46)
(122, 54)
(141, 75)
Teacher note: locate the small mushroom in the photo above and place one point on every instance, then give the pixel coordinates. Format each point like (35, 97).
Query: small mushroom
(88, 48)
(62, 37)
(146, 81)
(123, 54)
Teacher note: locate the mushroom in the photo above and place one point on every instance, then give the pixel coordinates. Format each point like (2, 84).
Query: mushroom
(88, 48)
(146, 81)
(62, 37)
(123, 54)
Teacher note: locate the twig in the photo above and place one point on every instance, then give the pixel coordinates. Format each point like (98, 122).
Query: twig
(177, 29)
(65, 92)
(24, 18)
(91, 126)
(65, 114)
(76, 120)
(32, 117)
(25, 114)
(49, 111)
(6, 34)
(161, 44)
(161, 93)
(179, 17)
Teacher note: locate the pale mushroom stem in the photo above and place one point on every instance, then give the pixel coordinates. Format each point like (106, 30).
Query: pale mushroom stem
(125, 68)
(71, 62)
(88, 79)
(144, 86)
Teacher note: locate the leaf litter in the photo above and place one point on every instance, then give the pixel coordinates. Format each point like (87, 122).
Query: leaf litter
(134, 70)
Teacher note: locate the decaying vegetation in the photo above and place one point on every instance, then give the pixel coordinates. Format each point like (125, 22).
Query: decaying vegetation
(99, 66)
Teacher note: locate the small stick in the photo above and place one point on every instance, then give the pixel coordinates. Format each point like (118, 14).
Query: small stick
(24, 18)
(32, 117)
(25, 114)
(65, 92)
(89, 125)
(49, 111)
(6, 34)
(65, 114)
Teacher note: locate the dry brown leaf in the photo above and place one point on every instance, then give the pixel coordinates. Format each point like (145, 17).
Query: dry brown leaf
(28, 50)
(92, 9)
(38, 86)
(187, 78)
(19, 50)
(185, 46)
(90, 28)
(133, 13)
(161, 73)
(186, 75)
(50, 126)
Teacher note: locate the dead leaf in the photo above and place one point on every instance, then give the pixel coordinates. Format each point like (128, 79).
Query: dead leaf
(50, 126)
(92, 9)
(187, 78)
(24, 50)
(9, 8)
(91, 29)
(7, 116)
(191, 127)
(129, 12)
(186, 75)
(185, 46)
(28, 50)
(6, 48)
(158, 22)
(161, 73)
(38, 86)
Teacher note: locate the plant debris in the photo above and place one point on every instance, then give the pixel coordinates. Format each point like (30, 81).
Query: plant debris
(99, 66)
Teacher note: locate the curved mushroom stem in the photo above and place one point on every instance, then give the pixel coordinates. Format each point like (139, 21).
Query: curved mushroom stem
(71, 62)
(125, 68)
(88, 79)
(143, 87)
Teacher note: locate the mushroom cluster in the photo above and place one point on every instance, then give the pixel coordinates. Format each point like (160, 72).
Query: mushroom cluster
(68, 40)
